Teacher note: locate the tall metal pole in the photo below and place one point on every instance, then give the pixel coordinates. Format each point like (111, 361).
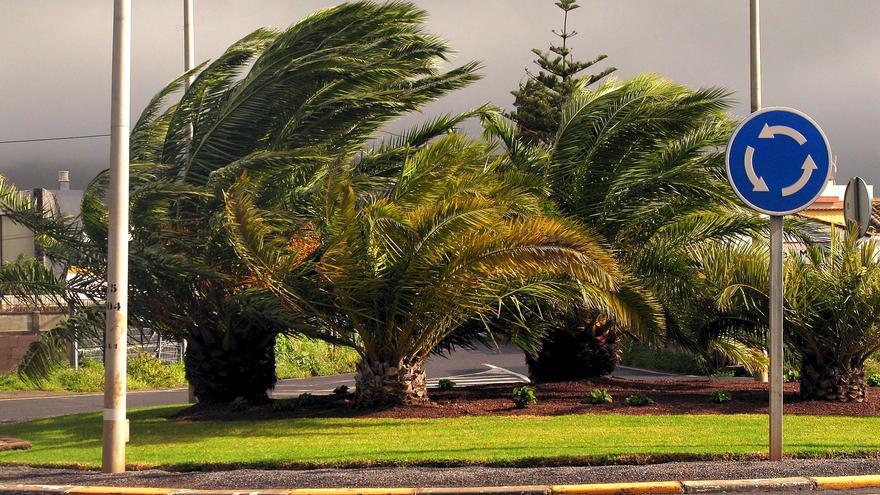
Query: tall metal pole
(189, 55)
(776, 302)
(776, 256)
(755, 52)
(115, 425)
(189, 49)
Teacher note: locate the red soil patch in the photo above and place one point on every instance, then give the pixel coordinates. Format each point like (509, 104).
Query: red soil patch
(670, 396)
(9, 443)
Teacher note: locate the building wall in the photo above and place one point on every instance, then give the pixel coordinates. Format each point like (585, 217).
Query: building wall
(18, 328)
(15, 241)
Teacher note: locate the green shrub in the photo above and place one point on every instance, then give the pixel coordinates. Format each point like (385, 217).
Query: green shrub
(147, 371)
(791, 375)
(88, 378)
(446, 384)
(872, 365)
(292, 404)
(144, 372)
(723, 374)
(641, 356)
(238, 404)
(301, 357)
(873, 380)
(523, 397)
(599, 396)
(639, 400)
(721, 396)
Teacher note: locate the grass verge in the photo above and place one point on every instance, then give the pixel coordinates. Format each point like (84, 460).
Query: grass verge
(156, 442)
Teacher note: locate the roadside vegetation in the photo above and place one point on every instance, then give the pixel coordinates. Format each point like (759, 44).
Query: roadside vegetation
(296, 357)
(302, 357)
(144, 372)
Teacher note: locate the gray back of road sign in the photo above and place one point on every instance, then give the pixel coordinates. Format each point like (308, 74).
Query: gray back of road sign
(857, 205)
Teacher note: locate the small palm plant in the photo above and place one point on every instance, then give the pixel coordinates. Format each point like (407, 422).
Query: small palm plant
(401, 269)
(832, 296)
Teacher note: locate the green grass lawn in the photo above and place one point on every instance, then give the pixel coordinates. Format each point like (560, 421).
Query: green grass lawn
(157, 442)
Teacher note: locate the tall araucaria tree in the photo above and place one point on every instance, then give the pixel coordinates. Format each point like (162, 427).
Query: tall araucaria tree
(539, 99)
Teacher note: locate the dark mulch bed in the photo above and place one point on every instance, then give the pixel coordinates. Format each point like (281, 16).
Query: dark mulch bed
(670, 396)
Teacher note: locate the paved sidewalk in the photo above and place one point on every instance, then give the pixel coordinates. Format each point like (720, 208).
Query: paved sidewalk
(447, 477)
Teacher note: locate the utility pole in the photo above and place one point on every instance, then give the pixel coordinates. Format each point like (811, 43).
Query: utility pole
(776, 257)
(115, 424)
(189, 49)
(189, 55)
(755, 73)
(755, 52)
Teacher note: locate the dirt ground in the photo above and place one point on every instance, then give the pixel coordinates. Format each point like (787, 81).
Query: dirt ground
(670, 397)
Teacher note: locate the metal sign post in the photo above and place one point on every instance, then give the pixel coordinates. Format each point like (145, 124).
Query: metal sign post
(857, 205)
(778, 162)
(776, 303)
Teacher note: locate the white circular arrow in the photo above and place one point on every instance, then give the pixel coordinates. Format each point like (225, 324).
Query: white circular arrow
(770, 132)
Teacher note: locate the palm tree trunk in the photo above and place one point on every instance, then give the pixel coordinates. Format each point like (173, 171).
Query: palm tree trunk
(832, 381)
(221, 373)
(389, 382)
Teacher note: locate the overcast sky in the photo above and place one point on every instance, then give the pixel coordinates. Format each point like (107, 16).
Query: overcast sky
(820, 56)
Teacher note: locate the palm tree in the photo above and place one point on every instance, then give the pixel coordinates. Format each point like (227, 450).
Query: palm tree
(402, 268)
(832, 323)
(641, 163)
(279, 105)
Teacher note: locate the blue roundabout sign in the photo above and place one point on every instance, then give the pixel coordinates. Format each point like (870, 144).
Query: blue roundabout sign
(778, 161)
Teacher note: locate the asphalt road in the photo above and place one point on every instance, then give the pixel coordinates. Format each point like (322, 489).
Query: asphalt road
(464, 367)
(449, 477)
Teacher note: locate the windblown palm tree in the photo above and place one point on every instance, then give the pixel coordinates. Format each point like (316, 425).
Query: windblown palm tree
(641, 163)
(832, 296)
(279, 105)
(401, 269)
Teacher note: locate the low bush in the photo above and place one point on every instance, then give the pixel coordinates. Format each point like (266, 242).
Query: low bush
(791, 375)
(293, 404)
(639, 400)
(238, 404)
(147, 371)
(721, 396)
(872, 366)
(599, 396)
(446, 384)
(524, 397)
(301, 357)
(723, 374)
(873, 380)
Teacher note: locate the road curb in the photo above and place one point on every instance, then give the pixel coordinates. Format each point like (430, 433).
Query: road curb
(816, 483)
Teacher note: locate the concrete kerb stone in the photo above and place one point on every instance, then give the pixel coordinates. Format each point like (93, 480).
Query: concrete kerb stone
(750, 485)
(846, 482)
(660, 487)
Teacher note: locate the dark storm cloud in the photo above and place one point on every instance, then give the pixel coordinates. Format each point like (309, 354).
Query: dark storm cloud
(819, 56)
